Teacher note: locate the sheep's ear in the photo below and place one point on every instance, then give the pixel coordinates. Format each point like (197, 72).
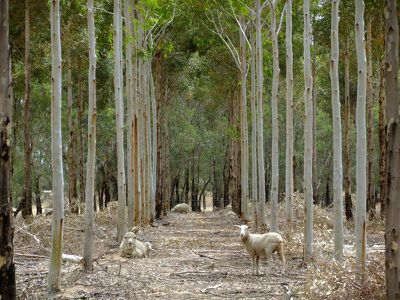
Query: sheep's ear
(238, 226)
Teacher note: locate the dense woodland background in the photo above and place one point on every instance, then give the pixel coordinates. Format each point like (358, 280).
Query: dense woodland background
(192, 60)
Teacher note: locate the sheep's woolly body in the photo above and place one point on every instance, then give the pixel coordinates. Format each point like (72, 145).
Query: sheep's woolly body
(131, 247)
(262, 245)
(181, 208)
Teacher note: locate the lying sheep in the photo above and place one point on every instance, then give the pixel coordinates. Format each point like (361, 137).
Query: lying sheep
(181, 208)
(262, 245)
(131, 247)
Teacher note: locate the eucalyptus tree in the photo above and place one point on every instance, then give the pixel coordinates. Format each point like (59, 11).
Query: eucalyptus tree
(289, 121)
(392, 222)
(7, 265)
(262, 222)
(54, 274)
(91, 156)
(254, 168)
(361, 159)
(119, 114)
(275, 116)
(27, 195)
(308, 135)
(337, 133)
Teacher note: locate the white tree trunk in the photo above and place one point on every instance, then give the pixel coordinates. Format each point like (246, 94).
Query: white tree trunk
(260, 125)
(119, 113)
(275, 120)
(289, 121)
(254, 190)
(53, 280)
(337, 134)
(153, 141)
(361, 159)
(308, 135)
(91, 157)
(244, 136)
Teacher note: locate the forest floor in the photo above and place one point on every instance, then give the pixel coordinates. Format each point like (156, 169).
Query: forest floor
(194, 256)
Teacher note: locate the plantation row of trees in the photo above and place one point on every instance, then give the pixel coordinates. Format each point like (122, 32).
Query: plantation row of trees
(176, 108)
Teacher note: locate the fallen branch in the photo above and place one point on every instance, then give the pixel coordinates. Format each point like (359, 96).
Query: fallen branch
(202, 255)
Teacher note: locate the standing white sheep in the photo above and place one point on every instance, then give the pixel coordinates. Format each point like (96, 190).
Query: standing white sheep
(181, 208)
(262, 245)
(132, 247)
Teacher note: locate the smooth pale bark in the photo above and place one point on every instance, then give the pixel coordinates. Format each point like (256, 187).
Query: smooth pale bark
(289, 121)
(347, 124)
(361, 148)
(54, 275)
(262, 222)
(308, 136)
(275, 120)
(370, 121)
(254, 183)
(153, 141)
(392, 212)
(131, 169)
(7, 265)
(337, 134)
(27, 210)
(119, 114)
(91, 157)
(244, 136)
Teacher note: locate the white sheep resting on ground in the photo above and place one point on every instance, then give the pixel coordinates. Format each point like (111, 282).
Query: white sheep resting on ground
(131, 247)
(181, 208)
(262, 245)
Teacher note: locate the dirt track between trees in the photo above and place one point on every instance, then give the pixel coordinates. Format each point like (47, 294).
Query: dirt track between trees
(195, 256)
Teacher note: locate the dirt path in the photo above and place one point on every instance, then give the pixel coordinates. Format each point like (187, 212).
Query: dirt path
(196, 256)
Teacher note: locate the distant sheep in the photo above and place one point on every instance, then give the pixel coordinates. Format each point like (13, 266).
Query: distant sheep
(262, 245)
(231, 214)
(131, 247)
(181, 208)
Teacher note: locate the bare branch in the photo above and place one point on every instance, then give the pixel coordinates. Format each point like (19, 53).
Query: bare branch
(281, 20)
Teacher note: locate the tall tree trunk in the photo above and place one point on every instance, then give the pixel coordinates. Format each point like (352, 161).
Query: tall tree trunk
(337, 134)
(244, 136)
(119, 115)
(131, 138)
(370, 127)
(7, 266)
(275, 120)
(314, 128)
(91, 158)
(361, 160)
(80, 148)
(382, 140)
(260, 125)
(27, 210)
(38, 202)
(54, 274)
(289, 122)
(72, 192)
(392, 222)
(254, 182)
(308, 136)
(347, 124)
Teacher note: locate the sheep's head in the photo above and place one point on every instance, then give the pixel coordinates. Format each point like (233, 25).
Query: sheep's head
(129, 240)
(244, 231)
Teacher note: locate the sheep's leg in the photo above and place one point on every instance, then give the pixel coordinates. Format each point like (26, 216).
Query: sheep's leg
(253, 263)
(257, 264)
(282, 258)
